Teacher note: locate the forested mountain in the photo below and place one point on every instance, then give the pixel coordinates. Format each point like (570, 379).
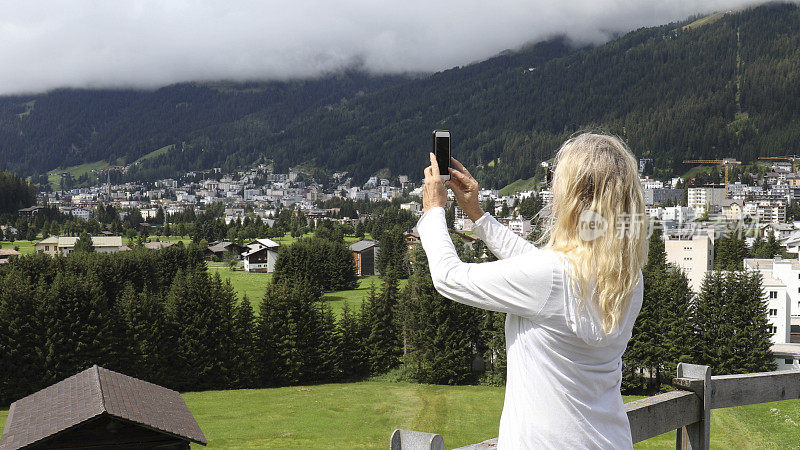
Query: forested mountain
(73, 126)
(724, 87)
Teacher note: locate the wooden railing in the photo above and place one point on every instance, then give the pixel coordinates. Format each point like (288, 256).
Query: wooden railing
(686, 410)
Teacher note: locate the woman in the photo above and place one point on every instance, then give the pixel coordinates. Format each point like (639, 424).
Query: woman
(570, 304)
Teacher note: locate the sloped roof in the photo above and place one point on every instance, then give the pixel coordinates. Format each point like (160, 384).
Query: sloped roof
(264, 242)
(362, 245)
(252, 250)
(93, 392)
(157, 245)
(5, 252)
(50, 240)
(221, 246)
(69, 241)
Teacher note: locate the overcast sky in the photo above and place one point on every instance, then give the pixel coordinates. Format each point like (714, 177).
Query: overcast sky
(119, 43)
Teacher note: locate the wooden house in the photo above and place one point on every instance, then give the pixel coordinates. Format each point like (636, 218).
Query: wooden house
(99, 408)
(223, 250)
(365, 256)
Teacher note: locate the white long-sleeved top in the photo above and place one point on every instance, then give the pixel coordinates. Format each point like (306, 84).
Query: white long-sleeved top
(564, 373)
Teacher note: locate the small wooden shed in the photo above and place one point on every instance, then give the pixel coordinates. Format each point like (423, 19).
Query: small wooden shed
(365, 256)
(99, 408)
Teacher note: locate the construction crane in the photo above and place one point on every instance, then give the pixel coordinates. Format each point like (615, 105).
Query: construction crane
(792, 158)
(726, 162)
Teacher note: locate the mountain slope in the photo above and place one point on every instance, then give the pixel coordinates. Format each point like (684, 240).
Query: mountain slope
(672, 93)
(728, 87)
(72, 126)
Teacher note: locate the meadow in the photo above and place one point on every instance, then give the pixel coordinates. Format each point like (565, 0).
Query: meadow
(25, 247)
(364, 414)
(254, 285)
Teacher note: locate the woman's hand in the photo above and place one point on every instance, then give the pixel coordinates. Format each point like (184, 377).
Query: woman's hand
(465, 189)
(433, 193)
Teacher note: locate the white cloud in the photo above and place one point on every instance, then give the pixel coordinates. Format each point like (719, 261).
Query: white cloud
(52, 43)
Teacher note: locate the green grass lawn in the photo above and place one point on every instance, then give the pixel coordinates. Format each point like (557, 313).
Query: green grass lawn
(347, 415)
(364, 414)
(154, 153)
(252, 284)
(355, 297)
(174, 239)
(351, 238)
(519, 186)
(25, 247)
(54, 176)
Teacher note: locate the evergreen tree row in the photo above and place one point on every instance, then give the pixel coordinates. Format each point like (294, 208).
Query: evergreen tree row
(724, 326)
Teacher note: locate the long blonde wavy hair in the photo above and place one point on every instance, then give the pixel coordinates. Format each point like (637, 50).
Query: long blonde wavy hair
(596, 183)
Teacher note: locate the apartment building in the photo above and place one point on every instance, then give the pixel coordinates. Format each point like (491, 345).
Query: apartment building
(782, 291)
(704, 199)
(692, 251)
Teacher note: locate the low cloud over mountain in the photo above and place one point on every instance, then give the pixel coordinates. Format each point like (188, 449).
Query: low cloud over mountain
(49, 44)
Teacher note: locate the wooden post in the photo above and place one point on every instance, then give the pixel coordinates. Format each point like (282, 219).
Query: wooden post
(696, 436)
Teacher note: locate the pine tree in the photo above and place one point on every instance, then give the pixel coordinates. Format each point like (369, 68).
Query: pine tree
(202, 310)
(292, 343)
(75, 316)
(645, 349)
(731, 328)
(751, 340)
(243, 369)
(493, 335)
(675, 323)
(730, 250)
(84, 243)
(21, 338)
(442, 335)
(450, 216)
(351, 359)
(152, 345)
(383, 342)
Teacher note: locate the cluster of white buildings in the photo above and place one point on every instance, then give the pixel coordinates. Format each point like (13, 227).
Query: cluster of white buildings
(513, 220)
(259, 187)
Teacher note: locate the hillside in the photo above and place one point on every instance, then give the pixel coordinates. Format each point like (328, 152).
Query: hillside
(68, 128)
(726, 86)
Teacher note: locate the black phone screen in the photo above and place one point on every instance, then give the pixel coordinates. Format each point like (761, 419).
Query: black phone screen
(443, 154)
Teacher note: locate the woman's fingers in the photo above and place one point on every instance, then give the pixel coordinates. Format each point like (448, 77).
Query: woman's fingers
(434, 163)
(430, 173)
(457, 188)
(459, 176)
(461, 185)
(460, 166)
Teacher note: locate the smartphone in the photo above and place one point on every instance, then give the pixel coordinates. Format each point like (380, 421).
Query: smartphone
(441, 148)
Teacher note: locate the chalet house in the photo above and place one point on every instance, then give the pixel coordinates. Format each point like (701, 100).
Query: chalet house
(99, 408)
(63, 245)
(222, 250)
(411, 238)
(365, 255)
(260, 256)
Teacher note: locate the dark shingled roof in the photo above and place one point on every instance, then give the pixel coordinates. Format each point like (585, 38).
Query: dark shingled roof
(91, 393)
(360, 246)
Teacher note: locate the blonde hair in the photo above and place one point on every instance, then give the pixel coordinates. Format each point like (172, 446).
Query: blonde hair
(596, 184)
